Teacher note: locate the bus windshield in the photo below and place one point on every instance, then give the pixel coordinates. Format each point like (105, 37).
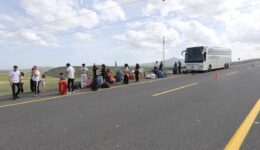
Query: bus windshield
(194, 55)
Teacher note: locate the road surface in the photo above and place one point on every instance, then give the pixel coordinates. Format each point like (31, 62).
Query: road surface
(199, 111)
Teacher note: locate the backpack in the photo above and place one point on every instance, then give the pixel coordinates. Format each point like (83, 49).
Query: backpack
(105, 85)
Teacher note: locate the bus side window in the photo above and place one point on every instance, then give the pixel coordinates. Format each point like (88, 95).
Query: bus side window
(205, 56)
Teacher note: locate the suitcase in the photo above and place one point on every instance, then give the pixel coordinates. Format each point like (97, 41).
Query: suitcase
(131, 76)
(62, 87)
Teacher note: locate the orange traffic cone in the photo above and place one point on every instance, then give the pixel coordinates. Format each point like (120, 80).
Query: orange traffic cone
(217, 75)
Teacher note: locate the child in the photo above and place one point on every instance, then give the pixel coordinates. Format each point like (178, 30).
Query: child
(61, 76)
(22, 82)
(43, 83)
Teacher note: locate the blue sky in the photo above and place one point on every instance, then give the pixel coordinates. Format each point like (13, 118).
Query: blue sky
(126, 31)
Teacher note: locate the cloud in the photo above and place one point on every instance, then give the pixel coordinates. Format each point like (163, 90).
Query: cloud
(112, 14)
(83, 36)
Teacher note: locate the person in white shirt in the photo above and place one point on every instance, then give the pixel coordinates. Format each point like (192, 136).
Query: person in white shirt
(83, 75)
(71, 76)
(15, 80)
(36, 77)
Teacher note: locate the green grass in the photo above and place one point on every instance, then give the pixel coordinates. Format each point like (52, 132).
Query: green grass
(51, 78)
(5, 89)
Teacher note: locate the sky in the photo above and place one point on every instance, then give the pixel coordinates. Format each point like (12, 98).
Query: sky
(56, 32)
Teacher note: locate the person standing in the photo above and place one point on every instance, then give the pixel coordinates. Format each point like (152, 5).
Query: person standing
(94, 85)
(155, 68)
(126, 72)
(22, 82)
(36, 77)
(161, 66)
(179, 67)
(43, 83)
(137, 72)
(103, 72)
(71, 76)
(31, 82)
(15, 80)
(175, 68)
(83, 75)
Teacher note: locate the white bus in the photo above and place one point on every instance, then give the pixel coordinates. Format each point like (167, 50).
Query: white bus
(204, 58)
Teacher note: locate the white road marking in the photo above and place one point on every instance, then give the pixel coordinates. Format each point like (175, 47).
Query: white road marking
(232, 73)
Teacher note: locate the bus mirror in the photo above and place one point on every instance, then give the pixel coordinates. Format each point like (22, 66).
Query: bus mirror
(183, 52)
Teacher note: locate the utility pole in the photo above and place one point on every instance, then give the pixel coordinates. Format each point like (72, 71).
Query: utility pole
(163, 56)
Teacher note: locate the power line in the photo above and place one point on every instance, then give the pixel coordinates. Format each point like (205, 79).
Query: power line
(70, 17)
(135, 19)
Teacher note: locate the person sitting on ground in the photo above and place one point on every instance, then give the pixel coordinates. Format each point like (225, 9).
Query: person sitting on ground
(15, 80)
(110, 77)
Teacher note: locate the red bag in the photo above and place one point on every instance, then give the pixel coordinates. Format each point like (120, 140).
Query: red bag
(62, 87)
(89, 81)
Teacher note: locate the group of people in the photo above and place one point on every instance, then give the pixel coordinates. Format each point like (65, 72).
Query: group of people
(38, 82)
(16, 80)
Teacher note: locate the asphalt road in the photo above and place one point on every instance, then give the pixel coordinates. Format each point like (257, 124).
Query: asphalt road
(183, 112)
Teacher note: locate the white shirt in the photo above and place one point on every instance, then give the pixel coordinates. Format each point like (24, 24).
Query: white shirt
(156, 65)
(70, 71)
(15, 76)
(84, 70)
(36, 75)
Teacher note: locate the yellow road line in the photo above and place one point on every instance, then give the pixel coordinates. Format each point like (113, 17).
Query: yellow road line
(176, 89)
(238, 138)
(61, 96)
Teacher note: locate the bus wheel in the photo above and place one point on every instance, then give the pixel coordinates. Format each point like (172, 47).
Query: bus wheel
(225, 66)
(210, 68)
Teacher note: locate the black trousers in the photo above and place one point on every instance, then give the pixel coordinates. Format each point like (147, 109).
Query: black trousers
(16, 93)
(36, 88)
(71, 85)
(21, 87)
(136, 76)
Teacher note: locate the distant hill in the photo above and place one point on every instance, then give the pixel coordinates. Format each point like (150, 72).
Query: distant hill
(168, 62)
(41, 68)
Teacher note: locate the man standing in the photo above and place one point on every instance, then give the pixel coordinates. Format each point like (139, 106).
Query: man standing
(179, 67)
(83, 75)
(71, 76)
(36, 77)
(15, 79)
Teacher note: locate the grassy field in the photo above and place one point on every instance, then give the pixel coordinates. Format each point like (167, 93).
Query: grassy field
(51, 78)
(5, 89)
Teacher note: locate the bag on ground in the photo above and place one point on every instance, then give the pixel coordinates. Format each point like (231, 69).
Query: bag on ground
(105, 85)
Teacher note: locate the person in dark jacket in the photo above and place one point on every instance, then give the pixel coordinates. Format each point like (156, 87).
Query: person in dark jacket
(103, 71)
(161, 66)
(179, 67)
(137, 72)
(94, 85)
(175, 68)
